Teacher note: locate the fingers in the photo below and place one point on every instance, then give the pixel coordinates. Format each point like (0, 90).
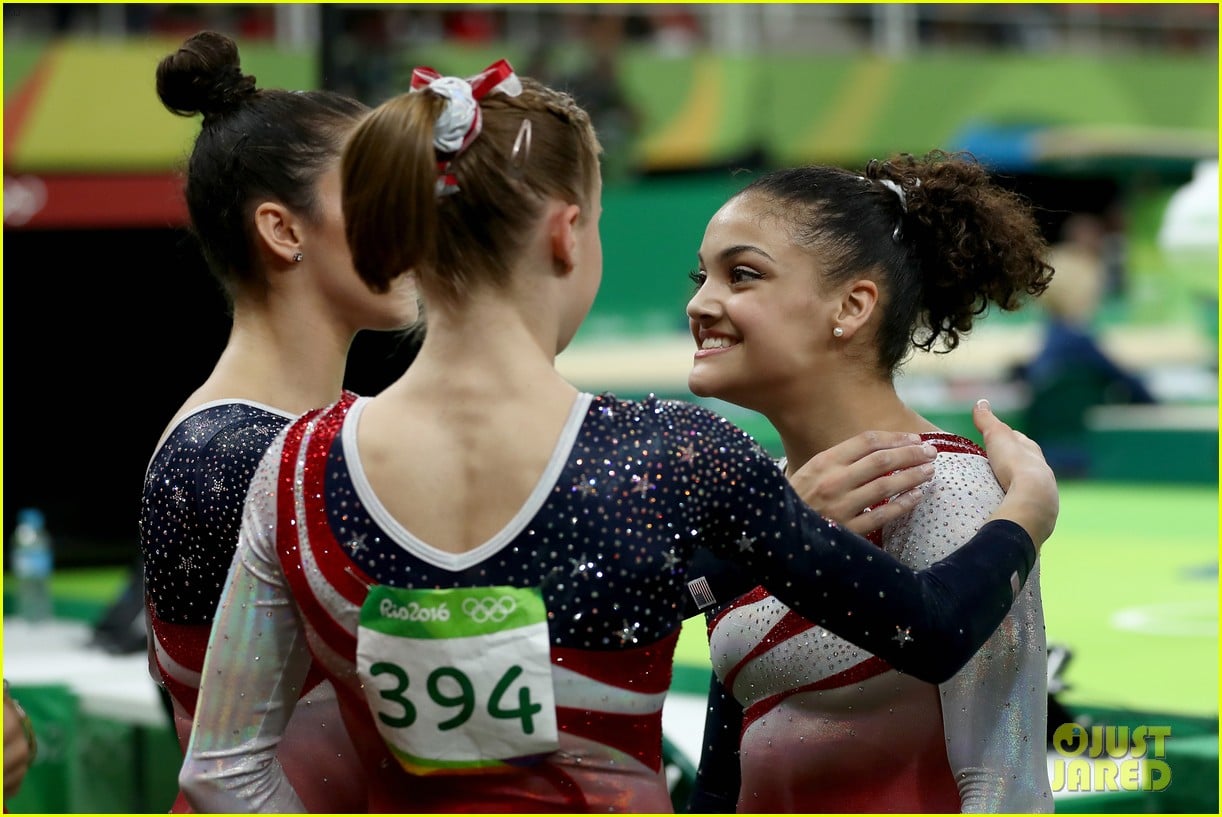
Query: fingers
(861, 472)
(1022, 471)
(870, 521)
(987, 423)
(851, 508)
(861, 460)
(869, 442)
(877, 466)
(881, 488)
(892, 484)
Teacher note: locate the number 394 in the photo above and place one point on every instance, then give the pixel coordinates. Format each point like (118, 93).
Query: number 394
(451, 688)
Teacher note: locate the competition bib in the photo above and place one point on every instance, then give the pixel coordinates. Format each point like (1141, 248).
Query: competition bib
(458, 680)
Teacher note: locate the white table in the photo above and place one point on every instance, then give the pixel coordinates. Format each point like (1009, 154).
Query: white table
(117, 687)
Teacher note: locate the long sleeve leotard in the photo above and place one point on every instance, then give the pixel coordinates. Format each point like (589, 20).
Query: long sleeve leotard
(813, 723)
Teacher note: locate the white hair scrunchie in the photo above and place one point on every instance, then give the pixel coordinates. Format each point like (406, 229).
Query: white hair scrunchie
(460, 120)
(456, 118)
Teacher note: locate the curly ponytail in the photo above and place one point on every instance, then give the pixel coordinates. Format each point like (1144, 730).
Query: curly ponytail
(943, 241)
(974, 242)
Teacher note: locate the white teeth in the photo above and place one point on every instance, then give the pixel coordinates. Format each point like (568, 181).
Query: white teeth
(716, 343)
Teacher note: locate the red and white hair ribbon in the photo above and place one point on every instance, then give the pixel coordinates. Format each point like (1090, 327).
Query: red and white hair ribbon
(460, 121)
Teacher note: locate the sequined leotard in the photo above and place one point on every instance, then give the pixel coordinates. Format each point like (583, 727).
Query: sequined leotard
(190, 515)
(823, 726)
(631, 489)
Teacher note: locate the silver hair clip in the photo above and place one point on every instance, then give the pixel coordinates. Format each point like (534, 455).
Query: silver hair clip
(899, 191)
(521, 146)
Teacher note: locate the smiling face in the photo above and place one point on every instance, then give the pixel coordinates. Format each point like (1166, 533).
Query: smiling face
(760, 322)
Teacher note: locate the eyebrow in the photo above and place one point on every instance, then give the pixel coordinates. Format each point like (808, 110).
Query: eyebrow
(735, 250)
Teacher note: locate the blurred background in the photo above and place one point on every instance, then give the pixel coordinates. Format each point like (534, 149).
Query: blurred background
(1104, 115)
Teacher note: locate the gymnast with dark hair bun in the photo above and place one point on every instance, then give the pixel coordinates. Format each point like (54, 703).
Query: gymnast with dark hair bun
(263, 193)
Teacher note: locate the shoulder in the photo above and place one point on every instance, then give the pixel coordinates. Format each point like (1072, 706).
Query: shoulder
(225, 429)
(962, 473)
(957, 501)
(318, 426)
(700, 439)
(205, 466)
(679, 415)
(952, 443)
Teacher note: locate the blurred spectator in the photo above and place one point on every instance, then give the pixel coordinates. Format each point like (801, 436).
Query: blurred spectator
(1071, 373)
(358, 55)
(676, 30)
(1114, 248)
(595, 83)
(679, 29)
(597, 89)
(471, 25)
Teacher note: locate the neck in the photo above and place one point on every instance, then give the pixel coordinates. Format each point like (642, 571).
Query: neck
(497, 344)
(294, 362)
(840, 408)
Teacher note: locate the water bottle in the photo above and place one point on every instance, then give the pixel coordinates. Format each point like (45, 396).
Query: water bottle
(32, 563)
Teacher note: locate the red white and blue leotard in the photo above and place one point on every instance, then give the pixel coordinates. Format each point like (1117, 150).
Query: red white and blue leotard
(631, 490)
(821, 725)
(190, 516)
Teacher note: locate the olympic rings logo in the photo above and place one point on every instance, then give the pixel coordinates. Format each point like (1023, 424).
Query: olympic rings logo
(489, 609)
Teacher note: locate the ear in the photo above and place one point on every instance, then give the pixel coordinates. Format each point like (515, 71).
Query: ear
(562, 231)
(278, 230)
(856, 306)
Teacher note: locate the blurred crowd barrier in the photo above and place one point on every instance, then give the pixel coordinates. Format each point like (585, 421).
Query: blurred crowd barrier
(1066, 113)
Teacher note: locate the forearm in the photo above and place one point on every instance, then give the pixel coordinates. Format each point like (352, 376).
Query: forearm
(718, 776)
(925, 623)
(252, 678)
(712, 581)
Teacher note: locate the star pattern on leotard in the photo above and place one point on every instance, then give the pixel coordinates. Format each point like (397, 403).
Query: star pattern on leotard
(745, 543)
(642, 484)
(585, 488)
(356, 544)
(582, 566)
(670, 560)
(628, 632)
(903, 635)
(197, 481)
(687, 454)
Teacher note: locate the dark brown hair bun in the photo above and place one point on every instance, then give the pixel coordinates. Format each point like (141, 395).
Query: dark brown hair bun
(204, 76)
